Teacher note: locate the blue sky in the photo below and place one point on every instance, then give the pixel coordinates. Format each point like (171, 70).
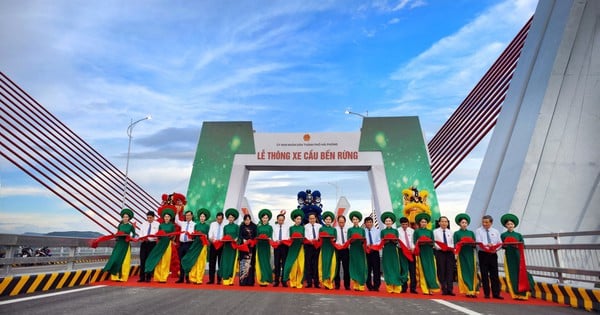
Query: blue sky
(288, 66)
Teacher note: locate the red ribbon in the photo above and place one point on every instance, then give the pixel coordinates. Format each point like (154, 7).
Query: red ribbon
(226, 239)
(202, 236)
(262, 237)
(160, 233)
(465, 241)
(95, 242)
(423, 240)
(357, 238)
(406, 251)
(294, 236)
(492, 249)
(523, 283)
(444, 247)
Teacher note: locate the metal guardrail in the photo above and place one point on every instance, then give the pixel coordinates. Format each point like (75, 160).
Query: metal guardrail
(576, 263)
(66, 251)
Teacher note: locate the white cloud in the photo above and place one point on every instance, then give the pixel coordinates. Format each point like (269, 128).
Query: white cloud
(24, 191)
(95, 68)
(459, 60)
(394, 21)
(400, 5)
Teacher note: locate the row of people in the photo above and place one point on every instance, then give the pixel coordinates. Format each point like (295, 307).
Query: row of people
(438, 252)
(316, 254)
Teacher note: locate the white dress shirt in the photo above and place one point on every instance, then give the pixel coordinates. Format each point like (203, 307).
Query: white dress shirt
(215, 232)
(438, 236)
(481, 236)
(285, 231)
(186, 226)
(403, 234)
(341, 232)
(153, 230)
(375, 236)
(308, 231)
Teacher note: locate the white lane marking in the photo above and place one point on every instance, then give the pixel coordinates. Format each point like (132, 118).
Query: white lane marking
(49, 295)
(456, 307)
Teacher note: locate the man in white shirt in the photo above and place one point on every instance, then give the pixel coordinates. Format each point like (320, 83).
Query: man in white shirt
(488, 259)
(215, 232)
(406, 237)
(373, 236)
(311, 253)
(444, 255)
(281, 232)
(343, 255)
(150, 227)
(185, 241)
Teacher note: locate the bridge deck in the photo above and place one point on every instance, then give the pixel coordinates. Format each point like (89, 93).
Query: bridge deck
(116, 297)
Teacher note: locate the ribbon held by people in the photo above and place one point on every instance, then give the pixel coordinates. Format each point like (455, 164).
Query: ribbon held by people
(95, 242)
(323, 237)
(226, 239)
(288, 242)
(357, 237)
(406, 251)
(377, 247)
(444, 247)
(423, 240)
(391, 238)
(202, 236)
(160, 233)
(465, 241)
(523, 278)
(492, 249)
(262, 237)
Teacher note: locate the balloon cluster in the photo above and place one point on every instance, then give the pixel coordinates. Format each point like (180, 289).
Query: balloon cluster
(310, 202)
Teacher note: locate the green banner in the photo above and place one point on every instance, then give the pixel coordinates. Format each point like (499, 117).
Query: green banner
(218, 144)
(401, 143)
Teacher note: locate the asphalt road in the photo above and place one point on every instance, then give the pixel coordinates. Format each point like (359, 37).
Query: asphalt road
(114, 300)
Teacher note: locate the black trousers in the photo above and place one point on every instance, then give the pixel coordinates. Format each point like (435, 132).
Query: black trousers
(279, 256)
(183, 249)
(412, 273)
(373, 270)
(145, 249)
(445, 264)
(343, 260)
(213, 257)
(311, 265)
(488, 265)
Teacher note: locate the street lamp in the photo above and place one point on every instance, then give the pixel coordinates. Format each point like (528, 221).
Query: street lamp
(347, 112)
(129, 131)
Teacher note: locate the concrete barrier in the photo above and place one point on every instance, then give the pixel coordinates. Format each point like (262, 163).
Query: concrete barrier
(588, 299)
(25, 284)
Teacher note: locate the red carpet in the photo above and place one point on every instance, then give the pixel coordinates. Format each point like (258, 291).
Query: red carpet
(381, 294)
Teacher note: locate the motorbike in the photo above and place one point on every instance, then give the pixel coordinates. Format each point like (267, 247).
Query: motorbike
(43, 252)
(25, 251)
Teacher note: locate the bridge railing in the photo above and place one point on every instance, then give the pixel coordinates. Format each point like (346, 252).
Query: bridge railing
(565, 258)
(67, 251)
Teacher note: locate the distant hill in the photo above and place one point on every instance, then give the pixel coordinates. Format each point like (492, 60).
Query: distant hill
(80, 234)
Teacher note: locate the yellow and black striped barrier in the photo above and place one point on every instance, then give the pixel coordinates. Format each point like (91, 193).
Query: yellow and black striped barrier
(24, 284)
(588, 299)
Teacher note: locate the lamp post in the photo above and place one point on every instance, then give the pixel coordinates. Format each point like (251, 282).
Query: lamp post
(347, 112)
(129, 131)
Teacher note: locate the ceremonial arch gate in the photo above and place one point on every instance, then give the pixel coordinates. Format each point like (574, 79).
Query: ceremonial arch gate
(390, 149)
